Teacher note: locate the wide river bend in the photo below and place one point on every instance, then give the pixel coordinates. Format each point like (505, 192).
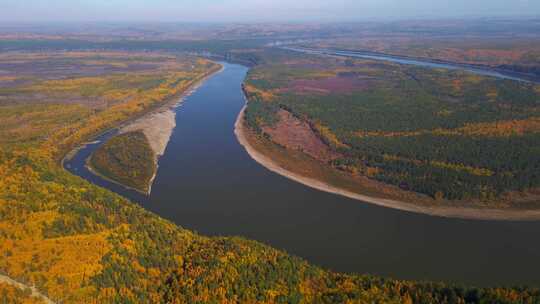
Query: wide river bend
(207, 182)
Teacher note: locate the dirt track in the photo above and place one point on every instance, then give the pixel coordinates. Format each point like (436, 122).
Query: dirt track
(35, 292)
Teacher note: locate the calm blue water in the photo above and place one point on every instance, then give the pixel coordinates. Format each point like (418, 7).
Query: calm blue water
(207, 182)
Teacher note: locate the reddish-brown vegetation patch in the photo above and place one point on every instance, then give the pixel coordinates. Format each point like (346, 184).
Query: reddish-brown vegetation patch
(340, 84)
(296, 134)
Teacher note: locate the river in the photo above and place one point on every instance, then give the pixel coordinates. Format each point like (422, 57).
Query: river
(207, 182)
(434, 64)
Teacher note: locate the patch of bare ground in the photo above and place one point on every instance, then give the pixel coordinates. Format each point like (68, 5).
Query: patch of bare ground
(157, 127)
(293, 133)
(339, 84)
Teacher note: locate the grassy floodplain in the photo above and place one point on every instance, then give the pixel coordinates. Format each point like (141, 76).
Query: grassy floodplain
(425, 136)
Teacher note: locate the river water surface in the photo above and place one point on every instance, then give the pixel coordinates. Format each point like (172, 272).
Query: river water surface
(435, 64)
(207, 182)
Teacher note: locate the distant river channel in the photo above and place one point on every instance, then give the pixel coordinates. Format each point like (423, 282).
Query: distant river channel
(207, 182)
(433, 64)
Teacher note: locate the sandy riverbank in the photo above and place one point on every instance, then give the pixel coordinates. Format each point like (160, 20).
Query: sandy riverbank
(442, 211)
(157, 125)
(158, 128)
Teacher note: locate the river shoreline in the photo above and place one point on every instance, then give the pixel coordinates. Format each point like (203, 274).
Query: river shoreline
(96, 172)
(207, 183)
(170, 105)
(474, 68)
(485, 214)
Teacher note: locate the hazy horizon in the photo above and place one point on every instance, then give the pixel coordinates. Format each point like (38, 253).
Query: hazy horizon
(204, 11)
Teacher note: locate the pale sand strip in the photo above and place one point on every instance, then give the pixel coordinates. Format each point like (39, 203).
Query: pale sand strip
(443, 211)
(158, 127)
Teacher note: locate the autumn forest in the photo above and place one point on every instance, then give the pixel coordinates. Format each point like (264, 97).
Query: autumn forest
(432, 138)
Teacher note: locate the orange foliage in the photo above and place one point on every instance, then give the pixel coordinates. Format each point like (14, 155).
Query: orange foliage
(450, 166)
(13, 295)
(36, 194)
(263, 94)
(460, 167)
(491, 129)
(328, 135)
(502, 128)
(71, 260)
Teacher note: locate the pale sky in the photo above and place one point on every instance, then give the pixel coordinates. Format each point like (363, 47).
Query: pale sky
(257, 10)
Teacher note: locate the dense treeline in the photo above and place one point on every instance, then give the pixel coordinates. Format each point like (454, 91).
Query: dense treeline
(126, 158)
(448, 134)
(508, 163)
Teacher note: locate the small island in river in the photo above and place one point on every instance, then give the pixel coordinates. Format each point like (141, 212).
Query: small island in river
(130, 158)
(127, 159)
